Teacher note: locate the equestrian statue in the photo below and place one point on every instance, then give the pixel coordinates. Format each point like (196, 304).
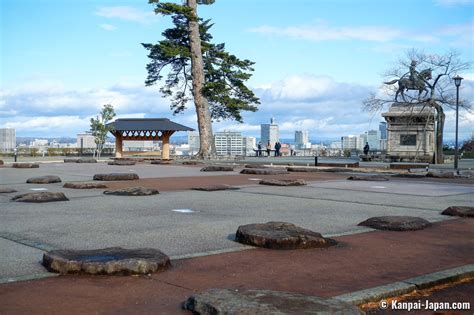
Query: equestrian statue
(415, 81)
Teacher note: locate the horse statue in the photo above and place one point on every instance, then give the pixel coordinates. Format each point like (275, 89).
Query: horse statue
(405, 84)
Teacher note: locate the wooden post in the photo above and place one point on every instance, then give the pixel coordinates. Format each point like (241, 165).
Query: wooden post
(118, 145)
(165, 153)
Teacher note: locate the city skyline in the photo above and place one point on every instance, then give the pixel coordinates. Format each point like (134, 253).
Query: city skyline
(56, 74)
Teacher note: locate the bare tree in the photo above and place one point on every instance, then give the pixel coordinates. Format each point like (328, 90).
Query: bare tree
(439, 89)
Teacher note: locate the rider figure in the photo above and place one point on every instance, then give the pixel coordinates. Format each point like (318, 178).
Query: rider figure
(413, 73)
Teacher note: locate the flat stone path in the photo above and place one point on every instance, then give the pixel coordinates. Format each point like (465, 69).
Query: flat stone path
(320, 272)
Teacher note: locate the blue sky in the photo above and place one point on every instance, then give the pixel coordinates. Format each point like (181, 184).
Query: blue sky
(315, 60)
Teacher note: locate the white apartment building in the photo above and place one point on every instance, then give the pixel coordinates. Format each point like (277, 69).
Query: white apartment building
(229, 143)
(301, 139)
(350, 142)
(85, 141)
(7, 139)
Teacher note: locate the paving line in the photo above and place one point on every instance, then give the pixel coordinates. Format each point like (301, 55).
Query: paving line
(27, 242)
(341, 201)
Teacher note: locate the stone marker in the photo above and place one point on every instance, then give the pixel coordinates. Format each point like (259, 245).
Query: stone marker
(377, 178)
(48, 179)
(25, 165)
(108, 261)
(280, 235)
(40, 197)
(7, 190)
(215, 187)
(217, 168)
(84, 185)
(227, 301)
(122, 162)
(283, 182)
(459, 211)
(116, 176)
(266, 171)
(86, 160)
(302, 169)
(396, 223)
(71, 160)
(133, 191)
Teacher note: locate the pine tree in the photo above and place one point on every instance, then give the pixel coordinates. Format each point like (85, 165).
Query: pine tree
(199, 70)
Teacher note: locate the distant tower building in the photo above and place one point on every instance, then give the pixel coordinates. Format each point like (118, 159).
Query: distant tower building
(228, 143)
(7, 139)
(373, 138)
(301, 139)
(383, 130)
(269, 132)
(193, 142)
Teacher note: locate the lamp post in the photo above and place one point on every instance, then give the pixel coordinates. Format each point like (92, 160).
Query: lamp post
(457, 81)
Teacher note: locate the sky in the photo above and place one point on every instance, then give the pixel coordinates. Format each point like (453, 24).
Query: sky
(315, 60)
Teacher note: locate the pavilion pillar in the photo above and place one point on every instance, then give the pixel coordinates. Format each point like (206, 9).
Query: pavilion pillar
(118, 145)
(165, 153)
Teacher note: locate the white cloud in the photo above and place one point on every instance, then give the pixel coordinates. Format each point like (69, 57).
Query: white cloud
(125, 13)
(50, 125)
(307, 87)
(321, 32)
(463, 33)
(108, 27)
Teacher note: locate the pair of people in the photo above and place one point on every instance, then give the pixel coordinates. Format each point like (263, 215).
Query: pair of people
(277, 148)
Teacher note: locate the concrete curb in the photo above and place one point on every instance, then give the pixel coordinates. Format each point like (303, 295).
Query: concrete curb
(409, 285)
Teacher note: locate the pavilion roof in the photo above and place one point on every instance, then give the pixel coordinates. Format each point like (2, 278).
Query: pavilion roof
(147, 124)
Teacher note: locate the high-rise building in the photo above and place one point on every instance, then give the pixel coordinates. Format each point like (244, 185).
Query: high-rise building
(269, 132)
(229, 143)
(193, 141)
(301, 139)
(7, 139)
(373, 138)
(383, 130)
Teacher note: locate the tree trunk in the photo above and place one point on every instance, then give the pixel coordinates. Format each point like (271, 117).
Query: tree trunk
(440, 116)
(197, 70)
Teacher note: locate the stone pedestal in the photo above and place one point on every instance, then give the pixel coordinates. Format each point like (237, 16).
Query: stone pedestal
(410, 132)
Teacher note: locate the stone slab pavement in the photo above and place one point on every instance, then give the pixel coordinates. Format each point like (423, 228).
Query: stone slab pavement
(360, 261)
(329, 204)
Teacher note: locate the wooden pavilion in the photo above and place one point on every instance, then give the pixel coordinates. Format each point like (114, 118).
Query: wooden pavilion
(145, 129)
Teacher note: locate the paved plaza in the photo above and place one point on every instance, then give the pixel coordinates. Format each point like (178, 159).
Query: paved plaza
(185, 223)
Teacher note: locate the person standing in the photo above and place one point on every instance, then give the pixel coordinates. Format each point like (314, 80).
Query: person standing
(259, 148)
(269, 148)
(366, 148)
(277, 148)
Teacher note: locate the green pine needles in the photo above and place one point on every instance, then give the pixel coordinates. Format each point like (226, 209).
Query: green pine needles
(224, 74)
